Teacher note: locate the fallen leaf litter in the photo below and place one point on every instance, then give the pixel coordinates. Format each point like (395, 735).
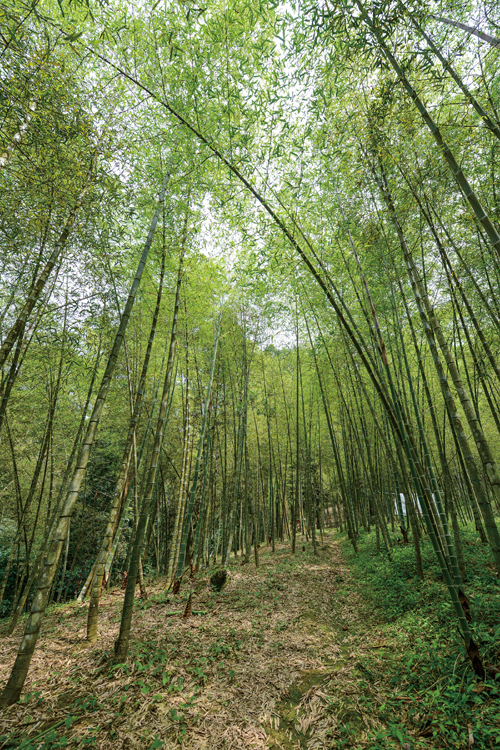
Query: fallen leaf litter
(270, 666)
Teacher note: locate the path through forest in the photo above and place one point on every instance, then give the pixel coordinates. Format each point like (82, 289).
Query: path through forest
(283, 657)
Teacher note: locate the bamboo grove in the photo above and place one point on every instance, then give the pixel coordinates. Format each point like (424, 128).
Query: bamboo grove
(250, 289)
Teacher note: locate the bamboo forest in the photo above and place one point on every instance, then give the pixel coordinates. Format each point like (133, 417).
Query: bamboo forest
(249, 374)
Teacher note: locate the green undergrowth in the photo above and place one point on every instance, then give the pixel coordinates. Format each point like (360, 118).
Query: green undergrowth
(431, 697)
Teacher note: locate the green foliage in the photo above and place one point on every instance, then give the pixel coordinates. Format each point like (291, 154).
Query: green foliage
(395, 589)
(51, 739)
(300, 100)
(429, 685)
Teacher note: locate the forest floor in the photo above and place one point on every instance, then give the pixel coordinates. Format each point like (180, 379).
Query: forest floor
(289, 655)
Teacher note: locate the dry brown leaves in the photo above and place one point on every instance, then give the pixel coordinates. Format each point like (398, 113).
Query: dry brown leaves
(268, 666)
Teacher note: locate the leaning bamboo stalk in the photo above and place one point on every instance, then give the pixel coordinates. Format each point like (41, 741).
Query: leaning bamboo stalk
(36, 291)
(129, 449)
(25, 337)
(420, 478)
(62, 488)
(183, 488)
(203, 512)
(190, 506)
(19, 672)
(453, 554)
(458, 80)
(381, 388)
(433, 331)
(122, 642)
(239, 461)
(493, 41)
(474, 202)
(27, 505)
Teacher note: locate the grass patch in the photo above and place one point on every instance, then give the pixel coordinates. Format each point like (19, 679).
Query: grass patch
(430, 695)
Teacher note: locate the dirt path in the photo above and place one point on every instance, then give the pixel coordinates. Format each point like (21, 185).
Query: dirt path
(276, 662)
